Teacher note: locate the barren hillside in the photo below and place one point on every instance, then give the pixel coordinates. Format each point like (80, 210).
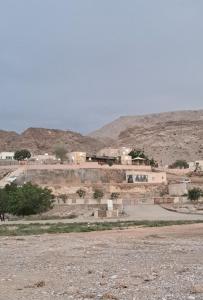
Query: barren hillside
(167, 141)
(113, 129)
(40, 140)
(165, 136)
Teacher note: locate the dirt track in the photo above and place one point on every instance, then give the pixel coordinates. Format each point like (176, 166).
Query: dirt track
(142, 264)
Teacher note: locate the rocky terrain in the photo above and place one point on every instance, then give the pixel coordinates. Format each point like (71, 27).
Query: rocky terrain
(41, 140)
(135, 264)
(165, 136)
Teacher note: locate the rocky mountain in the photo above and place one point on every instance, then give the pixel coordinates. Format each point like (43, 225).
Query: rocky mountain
(113, 129)
(41, 140)
(164, 136)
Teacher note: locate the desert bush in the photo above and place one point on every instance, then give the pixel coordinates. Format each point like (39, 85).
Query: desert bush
(179, 164)
(98, 194)
(81, 193)
(115, 196)
(194, 194)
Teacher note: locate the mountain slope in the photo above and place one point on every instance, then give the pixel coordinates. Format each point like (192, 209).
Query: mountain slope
(165, 136)
(167, 141)
(113, 129)
(41, 140)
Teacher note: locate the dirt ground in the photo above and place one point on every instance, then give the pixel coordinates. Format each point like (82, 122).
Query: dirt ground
(141, 264)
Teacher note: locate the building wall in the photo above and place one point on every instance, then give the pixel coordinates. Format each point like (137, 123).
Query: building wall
(177, 189)
(77, 157)
(145, 177)
(114, 151)
(7, 155)
(126, 160)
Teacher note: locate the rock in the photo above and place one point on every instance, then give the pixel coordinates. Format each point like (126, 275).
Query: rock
(197, 289)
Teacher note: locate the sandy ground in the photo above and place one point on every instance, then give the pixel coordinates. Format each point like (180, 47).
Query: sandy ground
(143, 264)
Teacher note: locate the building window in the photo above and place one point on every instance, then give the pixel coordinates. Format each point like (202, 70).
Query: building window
(141, 178)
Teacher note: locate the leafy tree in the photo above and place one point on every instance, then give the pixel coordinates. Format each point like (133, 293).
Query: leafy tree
(98, 194)
(22, 154)
(29, 199)
(115, 196)
(3, 203)
(138, 153)
(61, 153)
(194, 194)
(179, 164)
(81, 193)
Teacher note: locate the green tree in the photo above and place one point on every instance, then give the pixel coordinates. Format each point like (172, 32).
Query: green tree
(194, 194)
(138, 153)
(61, 152)
(29, 199)
(22, 154)
(179, 164)
(3, 202)
(98, 194)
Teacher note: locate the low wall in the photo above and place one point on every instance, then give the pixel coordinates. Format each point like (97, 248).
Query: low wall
(163, 200)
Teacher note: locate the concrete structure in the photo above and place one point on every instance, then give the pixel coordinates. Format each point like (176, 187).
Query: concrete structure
(126, 160)
(114, 151)
(199, 165)
(77, 157)
(7, 155)
(44, 157)
(177, 189)
(145, 177)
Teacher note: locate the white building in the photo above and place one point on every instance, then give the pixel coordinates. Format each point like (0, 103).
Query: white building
(7, 155)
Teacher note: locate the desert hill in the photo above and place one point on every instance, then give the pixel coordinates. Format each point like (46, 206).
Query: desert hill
(165, 136)
(41, 140)
(167, 141)
(113, 129)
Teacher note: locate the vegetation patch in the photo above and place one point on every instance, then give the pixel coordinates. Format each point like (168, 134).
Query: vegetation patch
(37, 228)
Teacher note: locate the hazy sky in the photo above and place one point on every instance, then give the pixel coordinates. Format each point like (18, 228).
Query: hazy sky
(77, 64)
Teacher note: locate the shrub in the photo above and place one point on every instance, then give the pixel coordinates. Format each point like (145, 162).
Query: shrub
(115, 196)
(98, 194)
(81, 193)
(194, 194)
(28, 199)
(110, 163)
(179, 164)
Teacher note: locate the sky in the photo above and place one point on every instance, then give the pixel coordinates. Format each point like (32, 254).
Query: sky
(79, 64)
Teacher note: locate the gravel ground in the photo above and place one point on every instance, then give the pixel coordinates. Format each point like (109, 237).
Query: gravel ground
(141, 264)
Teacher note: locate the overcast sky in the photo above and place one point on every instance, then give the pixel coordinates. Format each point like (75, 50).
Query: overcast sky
(78, 64)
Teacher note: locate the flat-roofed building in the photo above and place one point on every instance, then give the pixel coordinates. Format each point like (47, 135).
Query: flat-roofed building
(7, 155)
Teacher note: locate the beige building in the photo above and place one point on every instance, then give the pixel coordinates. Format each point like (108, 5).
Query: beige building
(7, 155)
(77, 157)
(126, 160)
(145, 177)
(44, 158)
(114, 151)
